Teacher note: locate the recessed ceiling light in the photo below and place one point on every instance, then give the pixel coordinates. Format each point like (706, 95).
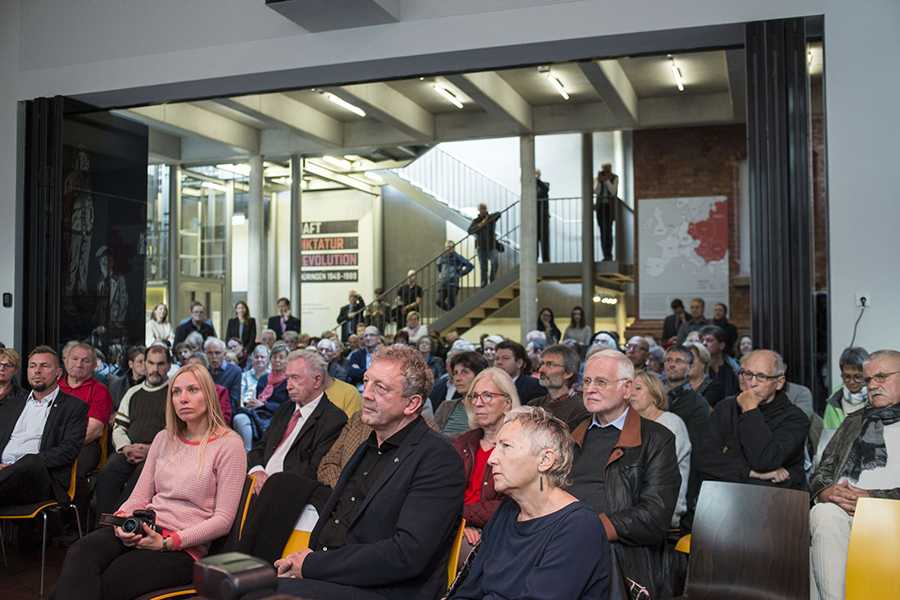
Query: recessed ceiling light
(558, 85)
(344, 104)
(450, 96)
(677, 73)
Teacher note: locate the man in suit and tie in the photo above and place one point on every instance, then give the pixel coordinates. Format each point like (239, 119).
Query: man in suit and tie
(387, 529)
(512, 358)
(283, 321)
(302, 430)
(40, 435)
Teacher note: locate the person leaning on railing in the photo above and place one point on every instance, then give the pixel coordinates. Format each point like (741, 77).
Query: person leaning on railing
(483, 227)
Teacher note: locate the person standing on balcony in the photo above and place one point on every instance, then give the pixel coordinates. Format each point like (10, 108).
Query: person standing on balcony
(409, 297)
(483, 227)
(607, 191)
(451, 267)
(543, 216)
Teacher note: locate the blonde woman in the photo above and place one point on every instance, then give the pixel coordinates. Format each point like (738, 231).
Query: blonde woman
(192, 480)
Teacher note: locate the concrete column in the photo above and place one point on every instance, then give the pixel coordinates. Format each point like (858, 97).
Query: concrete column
(296, 233)
(256, 239)
(174, 242)
(229, 241)
(587, 227)
(528, 238)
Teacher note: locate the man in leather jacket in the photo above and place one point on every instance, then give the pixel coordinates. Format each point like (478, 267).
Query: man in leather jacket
(626, 467)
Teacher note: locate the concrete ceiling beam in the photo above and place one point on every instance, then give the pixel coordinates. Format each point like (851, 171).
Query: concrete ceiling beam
(196, 121)
(385, 104)
(499, 99)
(279, 111)
(615, 90)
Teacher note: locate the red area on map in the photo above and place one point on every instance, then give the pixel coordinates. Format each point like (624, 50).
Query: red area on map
(712, 233)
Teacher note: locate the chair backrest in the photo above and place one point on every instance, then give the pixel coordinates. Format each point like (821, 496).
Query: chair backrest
(454, 552)
(874, 551)
(104, 447)
(751, 540)
(227, 543)
(71, 490)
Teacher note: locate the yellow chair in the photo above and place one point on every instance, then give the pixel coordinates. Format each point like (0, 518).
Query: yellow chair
(297, 541)
(30, 511)
(454, 552)
(874, 551)
(684, 544)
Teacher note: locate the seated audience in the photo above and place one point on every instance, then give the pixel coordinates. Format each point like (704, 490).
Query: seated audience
(242, 327)
(434, 363)
(132, 374)
(673, 321)
(223, 373)
(606, 339)
(194, 340)
(852, 395)
(401, 337)
(649, 400)
(638, 351)
(389, 537)
(9, 368)
(533, 350)
(861, 461)
(141, 415)
(625, 466)
(158, 327)
(512, 358)
(578, 330)
(259, 366)
(414, 328)
(757, 437)
(361, 358)
(302, 430)
(698, 375)
(237, 348)
(490, 398)
(547, 325)
(291, 339)
(37, 459)
(452, 416)
(799, 395)
(192, 481)
(444, 388)
(683, 400)
(182, 354)
(343, 395)
(198, 358)
(197, 323)
(79, 382)
(722, 368)
(744, 345)
(558, 374)
(720, 320)
(656, 361)
(251, 421)
(268, 338)
(541, 542)
(329, 350)
(490, 348)
(695, 323)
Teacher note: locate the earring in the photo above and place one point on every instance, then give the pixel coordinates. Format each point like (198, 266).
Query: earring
(542, 483)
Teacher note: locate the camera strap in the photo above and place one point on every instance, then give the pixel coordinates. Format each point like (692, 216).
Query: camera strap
(111, 520)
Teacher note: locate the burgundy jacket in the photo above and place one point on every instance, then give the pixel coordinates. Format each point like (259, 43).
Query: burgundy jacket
(478, 513)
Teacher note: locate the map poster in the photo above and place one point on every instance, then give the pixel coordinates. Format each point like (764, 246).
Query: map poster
(683, 253)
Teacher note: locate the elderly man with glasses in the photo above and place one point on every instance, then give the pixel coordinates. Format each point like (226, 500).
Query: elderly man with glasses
(757, 436)
(626, 467)
(861, 461)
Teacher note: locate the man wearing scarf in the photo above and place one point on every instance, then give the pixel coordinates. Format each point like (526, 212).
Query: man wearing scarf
(862, 460)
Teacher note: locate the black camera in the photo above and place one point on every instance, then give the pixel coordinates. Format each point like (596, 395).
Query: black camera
(133, 524)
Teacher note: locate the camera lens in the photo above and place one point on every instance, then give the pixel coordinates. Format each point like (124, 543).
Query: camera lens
(130, 525)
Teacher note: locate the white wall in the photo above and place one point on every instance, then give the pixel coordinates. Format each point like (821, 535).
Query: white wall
(92, 47)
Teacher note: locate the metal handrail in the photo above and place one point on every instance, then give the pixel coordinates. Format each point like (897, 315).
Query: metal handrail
(428, 278)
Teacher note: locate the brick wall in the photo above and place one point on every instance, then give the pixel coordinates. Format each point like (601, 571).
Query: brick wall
(689, 162)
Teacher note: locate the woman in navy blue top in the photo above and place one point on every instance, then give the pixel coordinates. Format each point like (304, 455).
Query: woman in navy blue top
(541, 543)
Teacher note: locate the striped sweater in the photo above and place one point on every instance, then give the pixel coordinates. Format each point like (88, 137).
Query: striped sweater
(194, 503)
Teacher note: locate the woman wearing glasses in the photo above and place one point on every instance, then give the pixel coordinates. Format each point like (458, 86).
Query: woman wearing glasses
(491, 396)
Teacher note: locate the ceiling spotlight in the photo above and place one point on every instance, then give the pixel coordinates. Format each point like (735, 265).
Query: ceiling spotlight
(597, 298)
(677, 73)
(338, 162)
(344, 104)
(450, 96)
(558, 85)
(809, 57)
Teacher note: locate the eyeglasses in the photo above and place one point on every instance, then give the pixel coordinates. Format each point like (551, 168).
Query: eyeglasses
(636, 347)
(678, 361)
(879, 378)
(551, 364)
(599, 383)
(6, 366)
(760, 377)
(853, 378)
(487, 397)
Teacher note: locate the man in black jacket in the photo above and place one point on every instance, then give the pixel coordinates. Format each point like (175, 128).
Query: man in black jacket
(512, 358)
(49, 427)
(283, 321)
(684, 401)
(757, 436)
(303, 430)
(387, 529)
(626, 467)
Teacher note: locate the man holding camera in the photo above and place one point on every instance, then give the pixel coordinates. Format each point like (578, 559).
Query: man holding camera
(607, 192)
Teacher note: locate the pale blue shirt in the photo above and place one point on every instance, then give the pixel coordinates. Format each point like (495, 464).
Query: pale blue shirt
(26, 437)
(618, 423)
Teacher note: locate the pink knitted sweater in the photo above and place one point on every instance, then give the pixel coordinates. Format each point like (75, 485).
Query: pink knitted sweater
(195, 503)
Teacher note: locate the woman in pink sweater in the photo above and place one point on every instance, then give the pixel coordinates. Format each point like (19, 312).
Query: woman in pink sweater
(192, 480)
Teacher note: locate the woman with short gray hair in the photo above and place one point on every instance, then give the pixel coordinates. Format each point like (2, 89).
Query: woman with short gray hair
(527, 546)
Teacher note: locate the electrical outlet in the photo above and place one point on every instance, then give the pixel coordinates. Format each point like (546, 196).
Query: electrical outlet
(863, 299)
